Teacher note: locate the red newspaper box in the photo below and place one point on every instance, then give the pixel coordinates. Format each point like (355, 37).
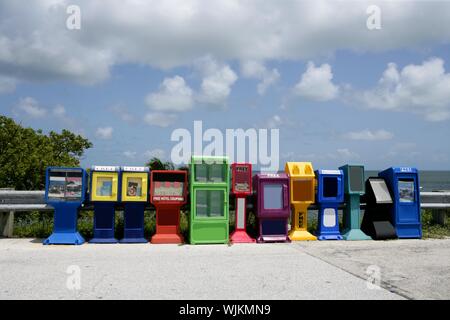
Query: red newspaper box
(168, 192)
(241, 187)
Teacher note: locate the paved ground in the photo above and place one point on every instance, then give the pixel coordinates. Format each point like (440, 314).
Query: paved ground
(415, 269)
(313, 270)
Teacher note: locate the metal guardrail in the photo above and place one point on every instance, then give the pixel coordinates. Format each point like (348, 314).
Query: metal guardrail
(12, 201)
(34, 200)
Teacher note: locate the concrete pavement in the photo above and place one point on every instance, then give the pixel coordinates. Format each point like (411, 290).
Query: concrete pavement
(415, 269)
(313, 270)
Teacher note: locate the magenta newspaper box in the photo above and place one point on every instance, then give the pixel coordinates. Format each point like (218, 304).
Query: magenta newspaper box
(272, 206)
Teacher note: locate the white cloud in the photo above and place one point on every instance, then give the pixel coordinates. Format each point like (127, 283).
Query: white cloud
(160, 119)
(157, 153)
(316, 83)
(30, 107)
(173, 95)
(36, 45)
(216, 83)
(257, 70)
(345, 153)
(59, 111)
(367, 135)
(122, 112)
(130, 154)
(274, 122)
(422, 89)
(104, 133)
(7, 84)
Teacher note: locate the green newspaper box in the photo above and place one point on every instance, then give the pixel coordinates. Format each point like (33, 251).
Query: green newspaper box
(209, 192)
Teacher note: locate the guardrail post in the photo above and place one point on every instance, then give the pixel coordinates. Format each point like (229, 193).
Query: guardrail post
(7, 224)
(439, 216)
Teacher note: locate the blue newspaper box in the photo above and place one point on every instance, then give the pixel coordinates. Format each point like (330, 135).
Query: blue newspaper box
(65, 190)
(134, 196)
(330, 193)
(104, 194)
(404, 185)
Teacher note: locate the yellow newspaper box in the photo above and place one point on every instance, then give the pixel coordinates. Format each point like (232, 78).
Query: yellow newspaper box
(302, 186)
(134, 186)
(104, 196)
(104, 184)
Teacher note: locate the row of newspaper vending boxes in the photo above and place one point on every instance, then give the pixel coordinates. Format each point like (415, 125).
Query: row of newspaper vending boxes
(392, 202)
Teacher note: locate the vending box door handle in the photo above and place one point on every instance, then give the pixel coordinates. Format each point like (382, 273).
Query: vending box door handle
(285, 196)
(114, 183)
(339, 186)
(225, 200)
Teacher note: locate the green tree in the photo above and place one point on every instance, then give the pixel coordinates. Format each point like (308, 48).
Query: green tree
(25, 153)
(156, 164)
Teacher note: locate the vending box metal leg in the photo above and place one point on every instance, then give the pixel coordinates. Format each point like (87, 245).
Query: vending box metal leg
(65, 225)
(104, 224)
(328, 224)
(299, 225)
(352, 219)
(134, 223)
(167, 226)
(240, 234)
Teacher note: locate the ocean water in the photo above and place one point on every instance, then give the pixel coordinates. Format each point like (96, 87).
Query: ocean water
(428, 180)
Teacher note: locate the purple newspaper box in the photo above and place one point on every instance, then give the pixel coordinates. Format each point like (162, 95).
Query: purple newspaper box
(273, 207)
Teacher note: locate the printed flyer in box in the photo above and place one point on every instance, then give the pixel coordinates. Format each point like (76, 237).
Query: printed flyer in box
(73, 187)
(57, 187)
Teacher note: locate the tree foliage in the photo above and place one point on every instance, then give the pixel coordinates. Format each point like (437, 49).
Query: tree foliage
(156, 164)
(25, 153)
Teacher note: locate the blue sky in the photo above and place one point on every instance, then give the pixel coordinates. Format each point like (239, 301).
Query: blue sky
(331, 88)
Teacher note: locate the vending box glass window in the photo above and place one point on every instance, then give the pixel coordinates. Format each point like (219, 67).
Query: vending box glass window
(406, 217)
(209, 190)
(330, 187)
(168, 195)
(65, 190)
(302, 189)
(241, 187)
(135, 184)
(272, 210)
(134, 197)
(273, 197)
(330, 194)
(380, 191)
(377, 220)
(104, 194)
(354, 189)
(356, 177)
(201, 172)
(210, 203)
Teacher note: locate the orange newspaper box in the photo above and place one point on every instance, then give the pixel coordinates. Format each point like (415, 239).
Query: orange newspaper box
(168, 193)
